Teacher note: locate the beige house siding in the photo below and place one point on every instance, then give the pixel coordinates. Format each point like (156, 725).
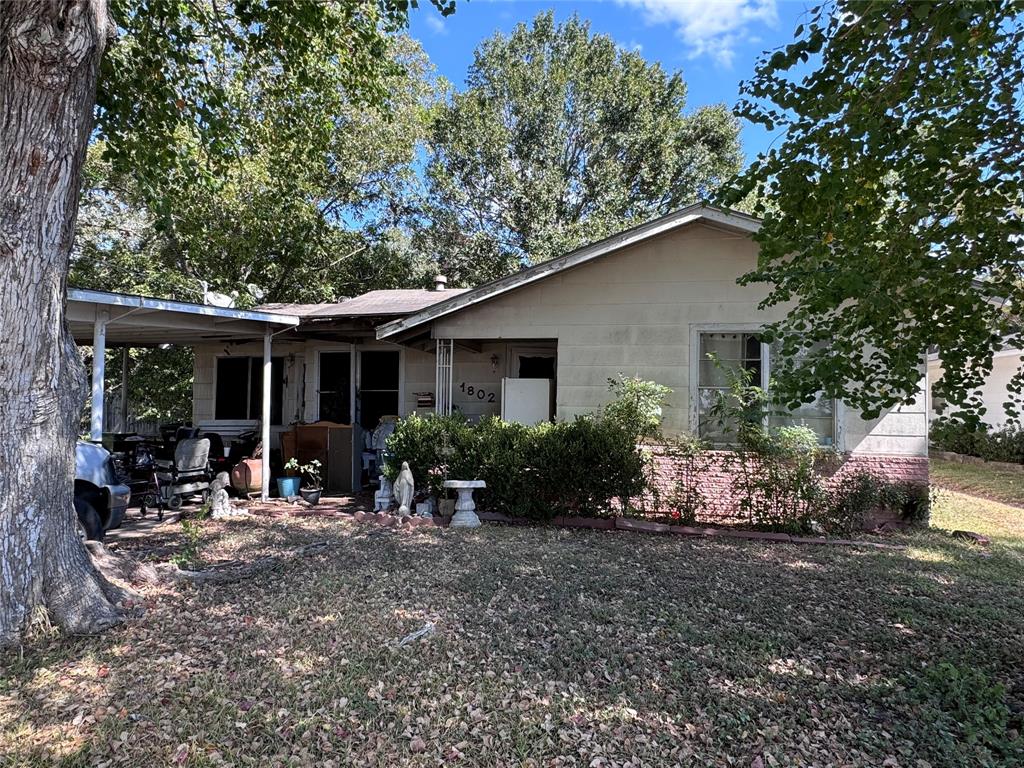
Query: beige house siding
(994, 393)
(301, 370)
(633, 312)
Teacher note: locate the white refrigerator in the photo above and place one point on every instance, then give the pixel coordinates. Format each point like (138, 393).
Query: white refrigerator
(527, 401)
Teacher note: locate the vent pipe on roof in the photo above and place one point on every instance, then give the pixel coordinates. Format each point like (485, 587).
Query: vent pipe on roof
(440, 281)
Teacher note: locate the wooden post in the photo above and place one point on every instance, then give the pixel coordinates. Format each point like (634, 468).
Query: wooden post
(265, 415)
(99, 354)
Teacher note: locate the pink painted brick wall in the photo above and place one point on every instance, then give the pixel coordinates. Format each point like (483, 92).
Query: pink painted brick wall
(721, 500)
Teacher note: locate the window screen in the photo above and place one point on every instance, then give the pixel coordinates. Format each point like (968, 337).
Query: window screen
(741, 350)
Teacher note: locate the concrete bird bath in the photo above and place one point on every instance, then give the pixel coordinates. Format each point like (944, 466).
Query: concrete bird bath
(465, 510)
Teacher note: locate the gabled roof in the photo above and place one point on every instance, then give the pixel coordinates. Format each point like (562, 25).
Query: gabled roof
(731, 220)
(372, 304)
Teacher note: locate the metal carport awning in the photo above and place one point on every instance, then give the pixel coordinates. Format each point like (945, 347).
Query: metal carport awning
(116, 319)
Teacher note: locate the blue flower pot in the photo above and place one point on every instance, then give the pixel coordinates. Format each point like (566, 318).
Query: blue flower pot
(288, 486)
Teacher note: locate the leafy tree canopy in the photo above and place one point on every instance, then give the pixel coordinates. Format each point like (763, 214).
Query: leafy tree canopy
(175, 69)
(305, 214)
(896, 196)
(560, 138)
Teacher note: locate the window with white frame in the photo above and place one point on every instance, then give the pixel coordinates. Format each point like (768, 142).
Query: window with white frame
(239, 391)
(743, 350)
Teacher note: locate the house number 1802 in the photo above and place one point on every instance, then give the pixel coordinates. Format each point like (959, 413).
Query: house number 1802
(478, 392)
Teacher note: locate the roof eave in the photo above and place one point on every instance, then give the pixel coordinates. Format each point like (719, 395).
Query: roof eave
(144, 302)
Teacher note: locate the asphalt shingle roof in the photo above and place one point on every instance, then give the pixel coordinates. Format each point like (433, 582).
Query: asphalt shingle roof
(403, 301)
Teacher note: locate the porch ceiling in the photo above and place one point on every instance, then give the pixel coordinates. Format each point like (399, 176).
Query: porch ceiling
(138, 321)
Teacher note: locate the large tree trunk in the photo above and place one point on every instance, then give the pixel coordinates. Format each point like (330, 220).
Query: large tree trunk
(49, 60)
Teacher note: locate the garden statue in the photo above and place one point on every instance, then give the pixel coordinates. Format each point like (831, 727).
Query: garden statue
(220, 503)
(405, 487)
(382, 498)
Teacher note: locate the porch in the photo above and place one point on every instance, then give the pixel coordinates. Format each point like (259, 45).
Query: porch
(105, 320)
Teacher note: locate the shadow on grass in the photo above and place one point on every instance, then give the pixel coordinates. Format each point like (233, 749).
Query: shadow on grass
(549, 643)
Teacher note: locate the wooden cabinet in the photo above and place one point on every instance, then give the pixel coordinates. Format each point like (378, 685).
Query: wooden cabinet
(330, 444)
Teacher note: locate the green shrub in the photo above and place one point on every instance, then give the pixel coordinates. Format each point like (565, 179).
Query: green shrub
(434, 446)
(850, 502)
(583, 467)
(687, 494)
(1006, 444)
(958, 436)
(778, 485)
(636, 406)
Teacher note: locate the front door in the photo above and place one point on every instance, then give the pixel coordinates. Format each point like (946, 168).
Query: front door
(335, 391)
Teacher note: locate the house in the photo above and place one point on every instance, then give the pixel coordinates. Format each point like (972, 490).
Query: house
(994, 393)
(542, 343)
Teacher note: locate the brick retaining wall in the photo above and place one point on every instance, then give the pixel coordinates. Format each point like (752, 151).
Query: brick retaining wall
(721, 498)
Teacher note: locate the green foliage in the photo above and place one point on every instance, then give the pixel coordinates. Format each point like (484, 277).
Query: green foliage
(560, 138)
(434, 447)
(583, 467)
(742, 408)
(190, 554)
(967, 708)
(310, 471)
(849, 502)
(974, 439)
(688, 495)
(172, 78)
(776, 480)
(637, 405)
(893, 201)
(308, 214)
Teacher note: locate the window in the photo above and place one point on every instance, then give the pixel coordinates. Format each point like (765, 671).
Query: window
(379, 386)
(737, 350)
(239, 393)
(336, 387)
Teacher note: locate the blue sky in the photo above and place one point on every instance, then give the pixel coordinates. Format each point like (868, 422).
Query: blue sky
(715, 43)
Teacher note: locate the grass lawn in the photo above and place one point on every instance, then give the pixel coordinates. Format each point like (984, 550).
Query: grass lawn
(553, 648)
(983, 480)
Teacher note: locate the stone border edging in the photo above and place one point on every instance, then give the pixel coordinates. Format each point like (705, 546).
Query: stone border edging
(963, 458)
(621, 523)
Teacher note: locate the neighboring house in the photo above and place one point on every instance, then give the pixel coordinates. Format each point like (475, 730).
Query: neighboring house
(994, 393)
(651, 302)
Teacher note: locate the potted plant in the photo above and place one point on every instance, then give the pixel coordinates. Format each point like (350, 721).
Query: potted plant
(311, 490)
(288, 485)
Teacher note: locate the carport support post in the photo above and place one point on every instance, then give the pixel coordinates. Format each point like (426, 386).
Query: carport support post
(265, 415)
(124, 389)
(99, 354)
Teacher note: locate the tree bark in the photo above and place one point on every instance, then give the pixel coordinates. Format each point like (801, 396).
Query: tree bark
(50, 52)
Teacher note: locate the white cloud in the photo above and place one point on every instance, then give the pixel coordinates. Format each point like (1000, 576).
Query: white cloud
(435, 22)
(710, 28)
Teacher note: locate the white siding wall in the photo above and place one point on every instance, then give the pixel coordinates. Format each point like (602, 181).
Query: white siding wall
(204, 384)
(995, 391)
(301, 368)
(632, 311)
(472, 369)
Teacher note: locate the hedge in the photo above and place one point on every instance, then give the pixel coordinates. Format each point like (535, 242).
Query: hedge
(589, 466)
